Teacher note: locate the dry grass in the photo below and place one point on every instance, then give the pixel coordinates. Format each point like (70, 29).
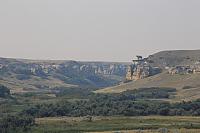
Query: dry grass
(20, 86)
(164, 80)
(154, 131)
(147, 124)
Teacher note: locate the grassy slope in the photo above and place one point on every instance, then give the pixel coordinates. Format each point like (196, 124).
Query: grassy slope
(175, 57)
(31, 84)
(164, 80)
(163, 59)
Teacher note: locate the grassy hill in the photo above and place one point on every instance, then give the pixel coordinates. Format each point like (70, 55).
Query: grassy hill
(22, 75)
(187, 86)
(38, 76)
(175, 57)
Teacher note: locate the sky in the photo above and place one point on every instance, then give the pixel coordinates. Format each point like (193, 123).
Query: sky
(97, 30)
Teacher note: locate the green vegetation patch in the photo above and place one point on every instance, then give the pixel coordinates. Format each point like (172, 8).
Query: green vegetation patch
(4, 91)
(151, 93)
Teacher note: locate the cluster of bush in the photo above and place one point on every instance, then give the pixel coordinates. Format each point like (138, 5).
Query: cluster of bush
(151, 93)
(4, 91)
(129, 103)
(142, 93)
(110, 105)
(14, 124)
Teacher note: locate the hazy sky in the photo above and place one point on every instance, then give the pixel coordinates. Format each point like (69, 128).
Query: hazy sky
(106, 30)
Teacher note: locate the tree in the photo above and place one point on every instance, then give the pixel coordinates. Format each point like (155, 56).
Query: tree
(4, 91)
(10, 124)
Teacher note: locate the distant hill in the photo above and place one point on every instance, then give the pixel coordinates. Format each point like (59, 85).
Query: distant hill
(188, 86)
(34, 75)
(176, 57)
(22, 75)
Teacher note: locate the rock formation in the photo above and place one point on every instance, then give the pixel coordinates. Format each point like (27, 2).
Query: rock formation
(187, 69)
(141, 69)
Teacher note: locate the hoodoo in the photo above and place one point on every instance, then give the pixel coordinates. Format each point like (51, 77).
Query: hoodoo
(141, 69)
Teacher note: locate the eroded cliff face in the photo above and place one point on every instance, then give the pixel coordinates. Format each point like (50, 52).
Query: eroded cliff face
(97, 68)
(141, 72)
(79, 67)
(175, 62)
(141, 69)
(187, 69)
(98, 74)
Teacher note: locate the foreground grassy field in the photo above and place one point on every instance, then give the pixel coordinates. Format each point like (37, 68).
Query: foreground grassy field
(155, 131)
(149, 124)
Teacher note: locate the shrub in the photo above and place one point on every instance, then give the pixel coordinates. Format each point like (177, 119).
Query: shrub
(187, 87)
(11, 124)
(4, 91)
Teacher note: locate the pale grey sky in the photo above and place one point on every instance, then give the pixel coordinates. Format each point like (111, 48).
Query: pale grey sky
(100, 30)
